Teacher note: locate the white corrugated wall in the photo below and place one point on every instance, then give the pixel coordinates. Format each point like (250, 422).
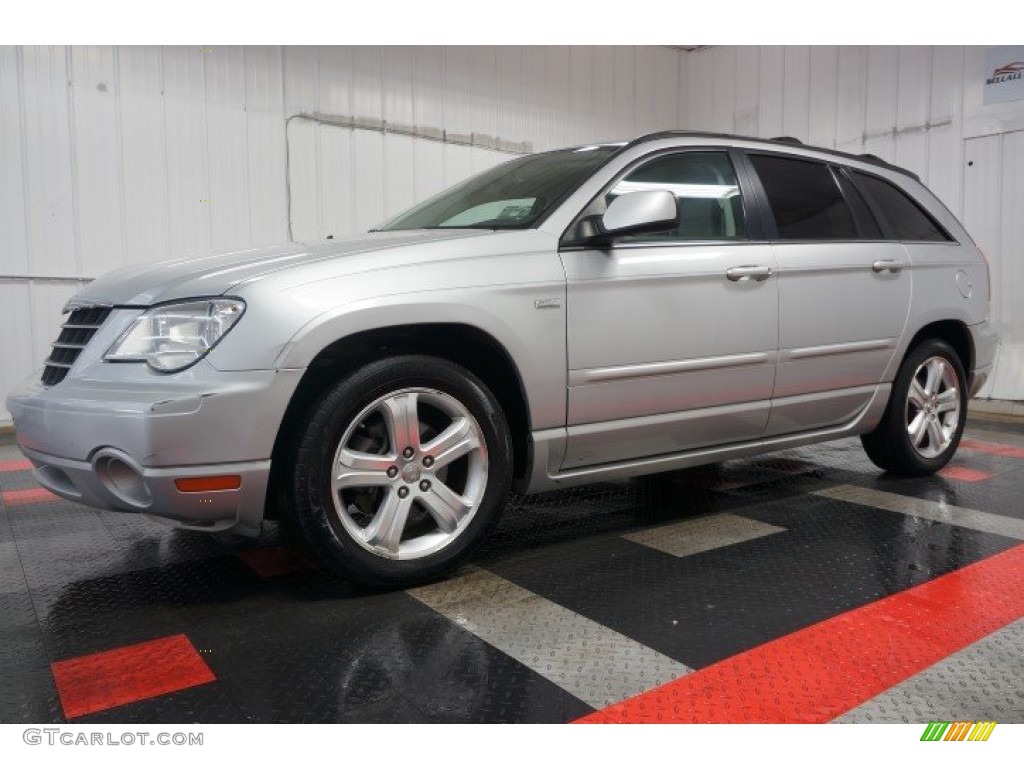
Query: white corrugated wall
(117, 155)
(918, 106)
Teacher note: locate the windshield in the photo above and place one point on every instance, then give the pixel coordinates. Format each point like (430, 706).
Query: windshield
(512, 195)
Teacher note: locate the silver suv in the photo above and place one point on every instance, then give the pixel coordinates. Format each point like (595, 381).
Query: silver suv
(585, 314)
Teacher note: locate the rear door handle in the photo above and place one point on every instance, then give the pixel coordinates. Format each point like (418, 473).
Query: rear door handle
(887, 265)
(748, 272)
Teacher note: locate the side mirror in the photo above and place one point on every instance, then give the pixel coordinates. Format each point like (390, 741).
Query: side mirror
(637, 212)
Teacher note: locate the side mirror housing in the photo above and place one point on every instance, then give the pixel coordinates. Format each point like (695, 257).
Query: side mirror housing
(637, 212)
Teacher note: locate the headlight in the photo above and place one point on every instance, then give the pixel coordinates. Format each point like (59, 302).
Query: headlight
(172, 337)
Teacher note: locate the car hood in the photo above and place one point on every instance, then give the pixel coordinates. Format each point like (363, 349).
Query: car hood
(212, 275)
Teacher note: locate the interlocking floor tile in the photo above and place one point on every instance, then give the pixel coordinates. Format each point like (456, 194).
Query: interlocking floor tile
(703, 534)
(108, 679)
(27, 496)
(984, 681)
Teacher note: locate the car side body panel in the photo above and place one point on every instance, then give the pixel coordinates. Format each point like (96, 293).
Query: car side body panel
(660, 330)
(840, 322)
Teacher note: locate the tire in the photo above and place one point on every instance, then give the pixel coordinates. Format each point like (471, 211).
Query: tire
(929, 397)
(390, 500)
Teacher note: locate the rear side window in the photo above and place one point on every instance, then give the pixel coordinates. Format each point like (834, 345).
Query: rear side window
(905, 218)
(866, 224)
(805, 199)
(706, 190)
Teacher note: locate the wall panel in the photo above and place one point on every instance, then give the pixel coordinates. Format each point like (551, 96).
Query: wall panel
(144, 170)
(96, 148)
(796, 91)
(1008, 379)
(666, 89)
(48, 162)
(227, 140)
(265, 135)
(13, 217)
(188, 155)
(771, 75)
(823, 93)
(851, 90)
(724, 85)
(17, 350)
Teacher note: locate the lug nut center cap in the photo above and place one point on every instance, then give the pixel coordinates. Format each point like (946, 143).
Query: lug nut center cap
(411, 473)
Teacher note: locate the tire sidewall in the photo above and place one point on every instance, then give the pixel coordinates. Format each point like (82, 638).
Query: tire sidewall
(326, 424)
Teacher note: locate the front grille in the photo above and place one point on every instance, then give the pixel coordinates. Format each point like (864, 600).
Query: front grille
(75, 334)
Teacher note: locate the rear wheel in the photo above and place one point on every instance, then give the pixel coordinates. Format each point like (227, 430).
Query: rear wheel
(925, 417)
(400, 471)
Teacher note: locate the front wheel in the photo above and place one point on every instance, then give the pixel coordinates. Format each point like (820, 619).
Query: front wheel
(926, 414)
(400, 471)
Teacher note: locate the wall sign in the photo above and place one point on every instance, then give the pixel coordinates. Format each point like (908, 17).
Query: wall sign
(1004, 74)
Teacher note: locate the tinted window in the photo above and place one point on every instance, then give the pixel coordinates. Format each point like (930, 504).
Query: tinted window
(904, 217)
(706, 190)
(804, 199)
(866, 224)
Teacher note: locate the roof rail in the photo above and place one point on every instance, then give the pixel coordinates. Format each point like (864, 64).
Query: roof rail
(788, 141)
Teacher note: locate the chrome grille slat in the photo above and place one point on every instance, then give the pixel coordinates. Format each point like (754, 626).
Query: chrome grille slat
(75, 335)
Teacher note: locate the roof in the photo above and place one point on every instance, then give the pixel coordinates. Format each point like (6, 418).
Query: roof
(779, 141)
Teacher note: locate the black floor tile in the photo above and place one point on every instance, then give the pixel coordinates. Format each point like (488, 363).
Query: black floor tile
(329, 661)
(208, 703)
(699, 609)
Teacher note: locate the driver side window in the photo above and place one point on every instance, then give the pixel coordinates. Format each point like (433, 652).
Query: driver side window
(706, 190)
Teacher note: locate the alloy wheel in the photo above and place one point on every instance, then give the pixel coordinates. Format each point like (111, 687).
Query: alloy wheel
(932, 412)
(409, 473)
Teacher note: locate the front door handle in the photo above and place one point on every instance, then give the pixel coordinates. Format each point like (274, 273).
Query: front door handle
(748, 272)
(887, 265)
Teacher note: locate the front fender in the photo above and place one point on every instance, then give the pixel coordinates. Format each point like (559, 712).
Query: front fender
(533, 338)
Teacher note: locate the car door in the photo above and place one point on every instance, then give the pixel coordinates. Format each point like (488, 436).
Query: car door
(844, 293)
(671, 337)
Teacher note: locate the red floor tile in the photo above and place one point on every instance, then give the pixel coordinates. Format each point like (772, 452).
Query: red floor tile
(818, 673)
(996, 449)
(15, 466)
(275, 561)
(965, 474)
(27, 496)
(109, 679)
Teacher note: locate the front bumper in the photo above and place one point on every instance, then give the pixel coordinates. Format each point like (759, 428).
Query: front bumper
(152, 491)
(120, 442)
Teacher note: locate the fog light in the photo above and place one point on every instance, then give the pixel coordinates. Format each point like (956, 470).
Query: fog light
(207, 484)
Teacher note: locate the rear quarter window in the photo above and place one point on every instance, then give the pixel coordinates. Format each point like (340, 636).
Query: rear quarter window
(906, 219)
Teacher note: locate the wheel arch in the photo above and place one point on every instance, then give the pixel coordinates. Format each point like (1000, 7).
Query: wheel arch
(954, 333)
(467, 345)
